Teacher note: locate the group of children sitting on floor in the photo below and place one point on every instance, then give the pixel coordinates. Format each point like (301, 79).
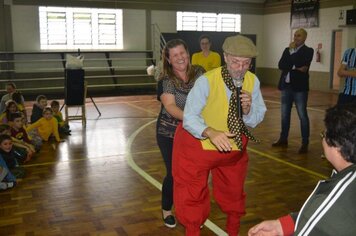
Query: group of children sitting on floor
(20, 140)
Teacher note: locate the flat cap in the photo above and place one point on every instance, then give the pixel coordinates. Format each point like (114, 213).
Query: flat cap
(240, 46)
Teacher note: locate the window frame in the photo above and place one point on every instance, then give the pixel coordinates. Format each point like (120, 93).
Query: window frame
(94, 27)
(185, 21)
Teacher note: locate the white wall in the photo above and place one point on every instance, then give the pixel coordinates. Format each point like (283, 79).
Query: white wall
(134, 29)
(25, 28)
(278, 35)
(252, 24)
(166, 20)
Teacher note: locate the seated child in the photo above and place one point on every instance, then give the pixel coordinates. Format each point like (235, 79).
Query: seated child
(18, 98)
(20, 135)
(63, 127)
(11, 107)
(19, 148)
(37, 109)
(10, 155)
(46, 126)
(7, 179)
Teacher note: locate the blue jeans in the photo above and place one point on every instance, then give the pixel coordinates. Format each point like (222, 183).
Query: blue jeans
(300, 99)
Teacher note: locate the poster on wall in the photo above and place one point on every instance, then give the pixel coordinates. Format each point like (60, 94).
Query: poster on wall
(304, 14)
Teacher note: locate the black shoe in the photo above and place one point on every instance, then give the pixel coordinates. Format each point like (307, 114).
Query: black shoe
(170, 221)
(280, 143)
(303, 149)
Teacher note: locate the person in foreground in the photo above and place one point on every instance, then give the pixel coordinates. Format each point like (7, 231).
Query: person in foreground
(294, 86)
(176, 80)
(213, 139)
(330, 209)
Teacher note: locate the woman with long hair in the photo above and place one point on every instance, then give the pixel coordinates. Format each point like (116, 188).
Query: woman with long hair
(176, 80)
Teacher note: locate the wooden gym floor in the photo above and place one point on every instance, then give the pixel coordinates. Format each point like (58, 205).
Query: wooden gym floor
(105, 178)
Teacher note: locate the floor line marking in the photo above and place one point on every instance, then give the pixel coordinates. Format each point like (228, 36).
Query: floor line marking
(287, 163)
(213, 227)
(275, 158)
(264, 155)
(66, 161)
(157, 151)
(86, 159)
(143, 109)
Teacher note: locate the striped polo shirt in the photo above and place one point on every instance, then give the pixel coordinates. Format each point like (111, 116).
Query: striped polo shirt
(349, 59)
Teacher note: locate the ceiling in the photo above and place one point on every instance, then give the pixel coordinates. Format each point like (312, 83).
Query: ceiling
(226, 1)
(240, 1)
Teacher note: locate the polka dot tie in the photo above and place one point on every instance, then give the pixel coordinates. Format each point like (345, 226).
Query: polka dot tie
(234, 122)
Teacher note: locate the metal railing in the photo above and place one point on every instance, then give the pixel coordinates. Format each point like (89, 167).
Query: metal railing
(158, 42)
(44, 71)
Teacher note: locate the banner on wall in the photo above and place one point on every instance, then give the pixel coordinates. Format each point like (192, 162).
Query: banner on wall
(304, 14)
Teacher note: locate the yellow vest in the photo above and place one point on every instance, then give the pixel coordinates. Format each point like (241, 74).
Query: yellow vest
(217, 105)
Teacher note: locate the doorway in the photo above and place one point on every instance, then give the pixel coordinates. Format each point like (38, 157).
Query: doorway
(335, 59)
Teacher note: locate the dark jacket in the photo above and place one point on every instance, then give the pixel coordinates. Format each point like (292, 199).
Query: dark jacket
(330, 209)
(299, 81)
(36, 113)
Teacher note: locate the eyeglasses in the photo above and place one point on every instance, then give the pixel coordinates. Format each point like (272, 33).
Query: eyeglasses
(322, 134)
(241, 64)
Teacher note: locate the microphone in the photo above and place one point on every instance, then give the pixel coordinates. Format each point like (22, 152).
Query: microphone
(239, 81)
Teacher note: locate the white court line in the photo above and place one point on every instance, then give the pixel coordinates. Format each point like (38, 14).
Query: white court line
(213, 227)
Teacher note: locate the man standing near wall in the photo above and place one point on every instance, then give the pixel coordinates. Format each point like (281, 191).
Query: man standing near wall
(294, 86)
(347, 70)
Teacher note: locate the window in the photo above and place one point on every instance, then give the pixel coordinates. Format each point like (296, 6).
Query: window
(84, 28)
(198, 21)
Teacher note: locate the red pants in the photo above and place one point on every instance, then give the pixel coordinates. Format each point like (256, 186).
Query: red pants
(191, 167)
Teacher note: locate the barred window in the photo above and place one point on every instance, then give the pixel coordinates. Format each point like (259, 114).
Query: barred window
(198, 21)
(84, 28)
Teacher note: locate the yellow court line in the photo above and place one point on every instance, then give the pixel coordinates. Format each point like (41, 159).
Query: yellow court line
(264, 155)
(213, 227)
(275, 158)
(85, 159)
(122, 102)
(309, 108)
(146, 152)
(143, 109)
(287, 163)
(53, 162)
(157, 151)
